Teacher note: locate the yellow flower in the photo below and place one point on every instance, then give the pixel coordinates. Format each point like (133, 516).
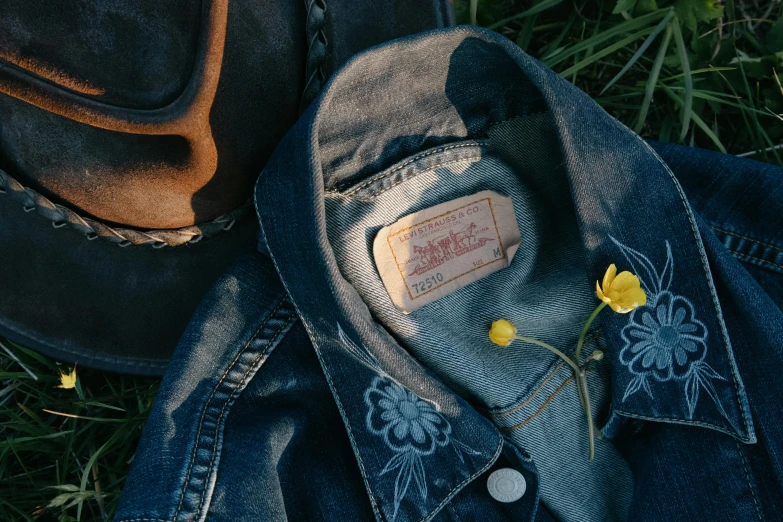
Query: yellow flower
(67, 380)
(622, 292)
(502, 332)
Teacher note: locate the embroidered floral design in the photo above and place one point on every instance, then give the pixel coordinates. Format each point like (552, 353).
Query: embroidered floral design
(406, 422)
(664, 340)
(410, 426)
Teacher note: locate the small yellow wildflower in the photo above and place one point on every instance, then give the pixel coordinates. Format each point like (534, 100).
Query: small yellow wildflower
(622, 292)
(67, 380)
(502, 332)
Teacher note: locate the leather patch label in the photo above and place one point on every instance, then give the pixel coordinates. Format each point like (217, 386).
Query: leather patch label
(432, 253)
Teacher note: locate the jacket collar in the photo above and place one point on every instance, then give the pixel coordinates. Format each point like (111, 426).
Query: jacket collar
(361, 125)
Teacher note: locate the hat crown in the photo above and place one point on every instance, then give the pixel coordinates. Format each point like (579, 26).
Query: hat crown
(147, 113)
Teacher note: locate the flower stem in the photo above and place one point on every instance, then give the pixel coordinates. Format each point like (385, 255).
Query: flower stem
(584, 330)
(581, 382)
(579, 376)
(552, 349)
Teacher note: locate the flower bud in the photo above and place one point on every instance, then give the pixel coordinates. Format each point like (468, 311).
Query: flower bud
(502, 332)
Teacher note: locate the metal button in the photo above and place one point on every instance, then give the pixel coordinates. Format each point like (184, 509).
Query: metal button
(506, 485)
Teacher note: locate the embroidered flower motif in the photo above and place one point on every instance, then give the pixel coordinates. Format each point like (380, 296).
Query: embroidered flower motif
(410, 426)
(664, 341)
(622, 292)
(404, 420)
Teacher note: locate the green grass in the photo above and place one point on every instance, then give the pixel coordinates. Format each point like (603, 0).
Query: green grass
(64, 453)
(694, 72)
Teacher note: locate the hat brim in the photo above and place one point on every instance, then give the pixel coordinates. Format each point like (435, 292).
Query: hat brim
(95, 303)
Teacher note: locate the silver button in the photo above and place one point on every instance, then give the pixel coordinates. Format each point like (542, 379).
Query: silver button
(506, 485)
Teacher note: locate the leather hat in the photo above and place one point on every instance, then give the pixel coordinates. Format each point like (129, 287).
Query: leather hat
(131, 134)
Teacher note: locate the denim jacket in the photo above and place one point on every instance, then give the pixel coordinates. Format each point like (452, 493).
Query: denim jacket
(300, 391)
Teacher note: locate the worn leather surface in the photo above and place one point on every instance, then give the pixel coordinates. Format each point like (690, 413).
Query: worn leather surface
(155, 113)
(150, 114)
(98, 304)
(93, 48)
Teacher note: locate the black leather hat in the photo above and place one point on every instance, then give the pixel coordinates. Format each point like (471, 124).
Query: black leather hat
(131, 133)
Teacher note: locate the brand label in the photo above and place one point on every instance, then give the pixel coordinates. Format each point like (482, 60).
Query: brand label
(432, 253)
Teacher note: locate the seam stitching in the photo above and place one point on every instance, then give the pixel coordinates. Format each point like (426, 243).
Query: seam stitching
(414, 159)
(230, 399)
(680, 421)
(747, 477)
(713, 294)
(532, 395)
(346, 422)
(459, 486)
(373, 501)
(428, 169)
(542, 407)
(418, 157)
(589, 339)
(206, 405)
(327, 376)
(746, 238)
(317, 350)
(763, 261)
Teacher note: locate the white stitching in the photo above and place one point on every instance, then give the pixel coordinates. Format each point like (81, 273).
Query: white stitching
(348, 430)
(746, 238)
(428, 169)
(747, 477)
(270, 344)
(681, 421)
(206, 404)
(762, 261)
(469, 479)
(713, 293)
(386, 174)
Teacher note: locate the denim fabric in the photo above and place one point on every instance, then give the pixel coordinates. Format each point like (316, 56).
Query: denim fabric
(300, 392)
(498, 381)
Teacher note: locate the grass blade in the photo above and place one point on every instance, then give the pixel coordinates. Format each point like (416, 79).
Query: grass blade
(605, 51)
(698, 71)
(686, 71)
(85, 474)
(15, 358)
(543, 6)
(17, 440)
(663, 24)
(696, 119)
(652, 81)
(623, 28)
(771, 146)
(83, 417)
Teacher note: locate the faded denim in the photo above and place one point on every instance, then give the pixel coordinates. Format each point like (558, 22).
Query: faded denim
(286, 396)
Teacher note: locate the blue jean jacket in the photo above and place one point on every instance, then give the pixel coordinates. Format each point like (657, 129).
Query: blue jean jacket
(301, 392)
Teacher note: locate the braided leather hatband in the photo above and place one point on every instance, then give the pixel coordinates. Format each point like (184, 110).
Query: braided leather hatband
(61, 216)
